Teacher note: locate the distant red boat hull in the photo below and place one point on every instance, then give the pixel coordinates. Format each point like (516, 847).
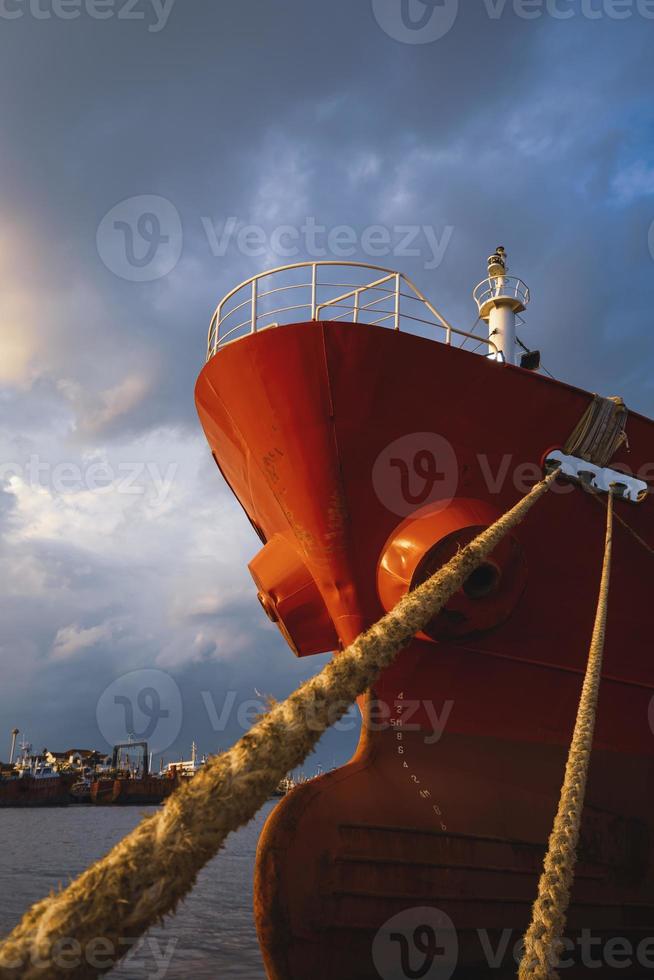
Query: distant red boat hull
(324, 433)
(148, 791)
(28, 791)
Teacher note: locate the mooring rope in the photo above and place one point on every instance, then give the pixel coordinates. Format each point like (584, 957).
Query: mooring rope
(544, 937)
(147, 873)
(597, 495)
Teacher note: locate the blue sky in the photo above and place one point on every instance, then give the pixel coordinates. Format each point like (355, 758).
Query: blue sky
(522, 123)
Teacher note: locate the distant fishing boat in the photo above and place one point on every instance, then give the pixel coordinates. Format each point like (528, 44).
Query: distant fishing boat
(33, 782)
(131, 785)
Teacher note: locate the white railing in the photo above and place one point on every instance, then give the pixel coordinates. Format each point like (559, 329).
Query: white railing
(504, 287)
(266, 300)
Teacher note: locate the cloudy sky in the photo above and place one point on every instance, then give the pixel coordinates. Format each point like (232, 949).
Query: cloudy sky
(526, 123)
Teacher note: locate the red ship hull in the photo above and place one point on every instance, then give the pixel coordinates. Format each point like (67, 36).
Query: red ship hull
(324, 432)
(28, 791)
(149, 791)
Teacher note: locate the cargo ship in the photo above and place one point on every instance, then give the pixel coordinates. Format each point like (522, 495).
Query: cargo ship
(367, 438)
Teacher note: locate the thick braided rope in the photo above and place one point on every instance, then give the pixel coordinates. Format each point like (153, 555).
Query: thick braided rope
(544, 937)
(147, 873)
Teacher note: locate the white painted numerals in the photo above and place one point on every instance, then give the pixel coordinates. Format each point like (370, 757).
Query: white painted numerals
(424, 792)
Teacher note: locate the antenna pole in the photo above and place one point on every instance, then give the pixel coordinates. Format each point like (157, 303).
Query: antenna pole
(14, 734)
(500, 298)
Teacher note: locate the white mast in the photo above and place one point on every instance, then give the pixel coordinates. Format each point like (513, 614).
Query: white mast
(500, 298)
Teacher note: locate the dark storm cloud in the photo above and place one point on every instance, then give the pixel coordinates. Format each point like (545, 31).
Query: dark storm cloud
(506, 129)
(536, 133)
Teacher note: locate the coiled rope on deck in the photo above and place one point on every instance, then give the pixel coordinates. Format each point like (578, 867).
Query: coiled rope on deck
(145, 875)
(600, 432)
(544, 937)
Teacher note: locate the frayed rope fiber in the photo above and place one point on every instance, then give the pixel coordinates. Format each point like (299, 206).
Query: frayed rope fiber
(544, 938)
(145, 875)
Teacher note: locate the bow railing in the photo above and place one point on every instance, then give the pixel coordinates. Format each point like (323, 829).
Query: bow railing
(328, 290)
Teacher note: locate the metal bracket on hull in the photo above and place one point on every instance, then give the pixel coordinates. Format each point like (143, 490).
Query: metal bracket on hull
(601, 479)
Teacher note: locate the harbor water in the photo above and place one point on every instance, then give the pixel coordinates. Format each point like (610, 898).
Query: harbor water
(211, 935)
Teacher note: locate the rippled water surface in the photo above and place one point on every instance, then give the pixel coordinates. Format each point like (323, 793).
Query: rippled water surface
(211, 935)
